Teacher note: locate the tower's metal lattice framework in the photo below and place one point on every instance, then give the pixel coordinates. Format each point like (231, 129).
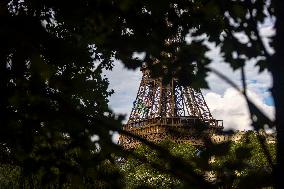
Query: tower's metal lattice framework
(168, 112)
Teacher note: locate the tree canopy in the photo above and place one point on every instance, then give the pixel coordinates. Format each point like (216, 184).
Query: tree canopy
(243, 165)
(140, 174)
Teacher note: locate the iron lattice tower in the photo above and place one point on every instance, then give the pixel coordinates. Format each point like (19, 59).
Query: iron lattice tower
(168, 112)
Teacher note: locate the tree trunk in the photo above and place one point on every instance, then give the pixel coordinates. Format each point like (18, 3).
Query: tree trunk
(277, 68)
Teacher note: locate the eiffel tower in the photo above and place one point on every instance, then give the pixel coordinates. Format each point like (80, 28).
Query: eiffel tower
(169, 112)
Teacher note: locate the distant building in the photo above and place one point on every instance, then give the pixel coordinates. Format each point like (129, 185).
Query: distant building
(238, 135)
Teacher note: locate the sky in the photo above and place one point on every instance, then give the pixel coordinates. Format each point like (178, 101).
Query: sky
(224, 102)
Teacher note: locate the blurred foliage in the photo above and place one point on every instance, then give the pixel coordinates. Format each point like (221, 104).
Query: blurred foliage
(140, 174)
(244, 165)
(55, 121)
(103, 176)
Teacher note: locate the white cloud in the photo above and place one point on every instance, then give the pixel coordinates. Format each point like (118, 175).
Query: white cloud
(225, 102)
(231, 107)
(266, 31)
(259, 83)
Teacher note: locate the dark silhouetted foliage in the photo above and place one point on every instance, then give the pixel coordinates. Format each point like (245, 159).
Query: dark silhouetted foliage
(55, 119)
